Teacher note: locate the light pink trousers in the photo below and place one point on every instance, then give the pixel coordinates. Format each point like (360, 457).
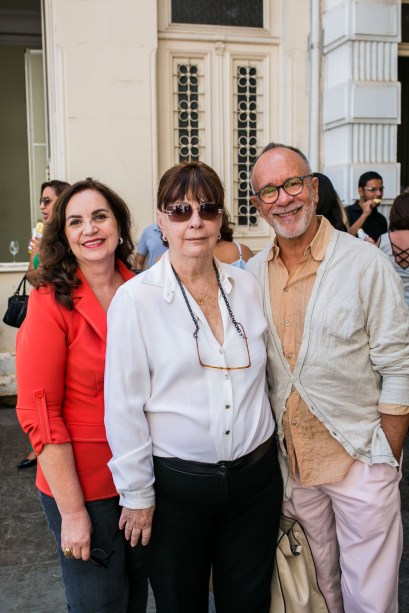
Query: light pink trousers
(354, 528)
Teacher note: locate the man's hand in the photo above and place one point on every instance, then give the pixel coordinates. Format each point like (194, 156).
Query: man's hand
(395, 428)
(367, 207)
(137, 523)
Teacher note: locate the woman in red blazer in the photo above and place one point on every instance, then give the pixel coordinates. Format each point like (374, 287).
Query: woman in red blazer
(60, 372)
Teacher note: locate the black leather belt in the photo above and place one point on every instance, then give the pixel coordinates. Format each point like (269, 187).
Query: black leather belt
(204, 468)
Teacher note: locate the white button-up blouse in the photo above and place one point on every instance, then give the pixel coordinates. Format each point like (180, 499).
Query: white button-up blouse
(159, 400)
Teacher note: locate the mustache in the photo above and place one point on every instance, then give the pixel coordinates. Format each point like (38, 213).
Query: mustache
(288, 210)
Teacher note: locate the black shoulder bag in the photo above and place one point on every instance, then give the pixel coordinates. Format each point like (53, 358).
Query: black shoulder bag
(17, 306)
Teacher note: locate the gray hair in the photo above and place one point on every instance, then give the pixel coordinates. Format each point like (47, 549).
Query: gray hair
(278, 146)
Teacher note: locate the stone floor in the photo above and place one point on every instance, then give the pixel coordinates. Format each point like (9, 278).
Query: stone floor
(30, 578)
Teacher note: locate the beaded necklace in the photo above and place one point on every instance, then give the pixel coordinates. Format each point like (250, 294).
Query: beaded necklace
(182, 289)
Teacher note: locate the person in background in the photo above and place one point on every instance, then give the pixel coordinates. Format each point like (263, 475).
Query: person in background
(60, 358)
(50, 190)
(149, 246)
(364, 213)
(329, 203)
(338, 371)
(395, 243)
(187, 414)
(228, 250)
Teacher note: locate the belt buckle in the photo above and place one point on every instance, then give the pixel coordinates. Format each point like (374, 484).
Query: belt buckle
(223, 467)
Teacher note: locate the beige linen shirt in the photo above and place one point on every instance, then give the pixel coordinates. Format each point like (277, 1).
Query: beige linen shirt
(318, 457)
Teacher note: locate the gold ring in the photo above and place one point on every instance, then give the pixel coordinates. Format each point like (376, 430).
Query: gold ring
(68, 553)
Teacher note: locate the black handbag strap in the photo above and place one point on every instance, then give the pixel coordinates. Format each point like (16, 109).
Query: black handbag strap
(22, 283)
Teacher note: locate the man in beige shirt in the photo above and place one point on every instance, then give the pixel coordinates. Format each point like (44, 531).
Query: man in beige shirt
(339, 385)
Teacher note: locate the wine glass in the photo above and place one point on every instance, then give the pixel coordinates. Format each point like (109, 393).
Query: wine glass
(14, 248)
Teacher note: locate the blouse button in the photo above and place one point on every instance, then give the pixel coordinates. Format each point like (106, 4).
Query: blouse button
(286, 323)
(227, 432)
(286, 289)
(39, 394)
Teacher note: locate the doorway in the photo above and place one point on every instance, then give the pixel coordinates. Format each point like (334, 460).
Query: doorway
(23, 146)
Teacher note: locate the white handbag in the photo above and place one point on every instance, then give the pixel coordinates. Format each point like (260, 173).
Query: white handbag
(294, 587)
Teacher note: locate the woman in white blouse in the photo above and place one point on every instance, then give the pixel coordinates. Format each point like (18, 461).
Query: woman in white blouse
(187, 415)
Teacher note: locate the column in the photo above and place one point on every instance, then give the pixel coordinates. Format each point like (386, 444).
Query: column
(361, 94)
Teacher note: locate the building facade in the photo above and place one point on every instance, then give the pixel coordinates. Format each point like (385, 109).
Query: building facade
(122, 90)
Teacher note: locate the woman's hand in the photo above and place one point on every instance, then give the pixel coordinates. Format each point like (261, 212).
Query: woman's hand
(137, 523)
(34, 246)
(58, 465)
(76, 529)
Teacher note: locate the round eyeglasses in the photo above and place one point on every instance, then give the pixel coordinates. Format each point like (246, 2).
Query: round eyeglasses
(182, 211)
(374, 189)
(292, 187)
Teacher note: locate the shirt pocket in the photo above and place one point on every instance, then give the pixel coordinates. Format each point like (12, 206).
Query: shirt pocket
(87, 433)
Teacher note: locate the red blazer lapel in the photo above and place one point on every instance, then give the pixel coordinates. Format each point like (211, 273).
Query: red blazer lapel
(86, 303)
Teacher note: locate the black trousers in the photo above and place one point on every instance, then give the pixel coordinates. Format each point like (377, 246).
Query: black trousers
(227, 520)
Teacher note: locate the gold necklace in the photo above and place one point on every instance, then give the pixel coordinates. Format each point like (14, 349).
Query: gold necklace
(202, 300)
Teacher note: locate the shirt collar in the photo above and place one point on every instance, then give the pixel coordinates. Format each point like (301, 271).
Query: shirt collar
(317, 246)
(171, 285)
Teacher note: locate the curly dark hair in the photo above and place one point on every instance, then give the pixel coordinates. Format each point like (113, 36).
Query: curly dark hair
(58, 264)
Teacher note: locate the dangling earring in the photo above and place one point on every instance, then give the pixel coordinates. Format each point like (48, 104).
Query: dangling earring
(219, 237)
(120, 240)
(164, 238)
(69, 251)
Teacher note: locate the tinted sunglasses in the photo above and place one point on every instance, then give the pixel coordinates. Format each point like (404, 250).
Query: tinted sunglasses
(208, 211)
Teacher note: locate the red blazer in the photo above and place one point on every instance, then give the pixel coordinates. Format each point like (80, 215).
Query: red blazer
(60, 360)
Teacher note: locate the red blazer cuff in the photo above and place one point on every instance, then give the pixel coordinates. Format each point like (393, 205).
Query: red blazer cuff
(44, 426)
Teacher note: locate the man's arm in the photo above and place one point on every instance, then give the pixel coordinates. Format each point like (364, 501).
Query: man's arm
(387, 325)
(139, 261)
(142, 250)
(396, 429)
(366, 211)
